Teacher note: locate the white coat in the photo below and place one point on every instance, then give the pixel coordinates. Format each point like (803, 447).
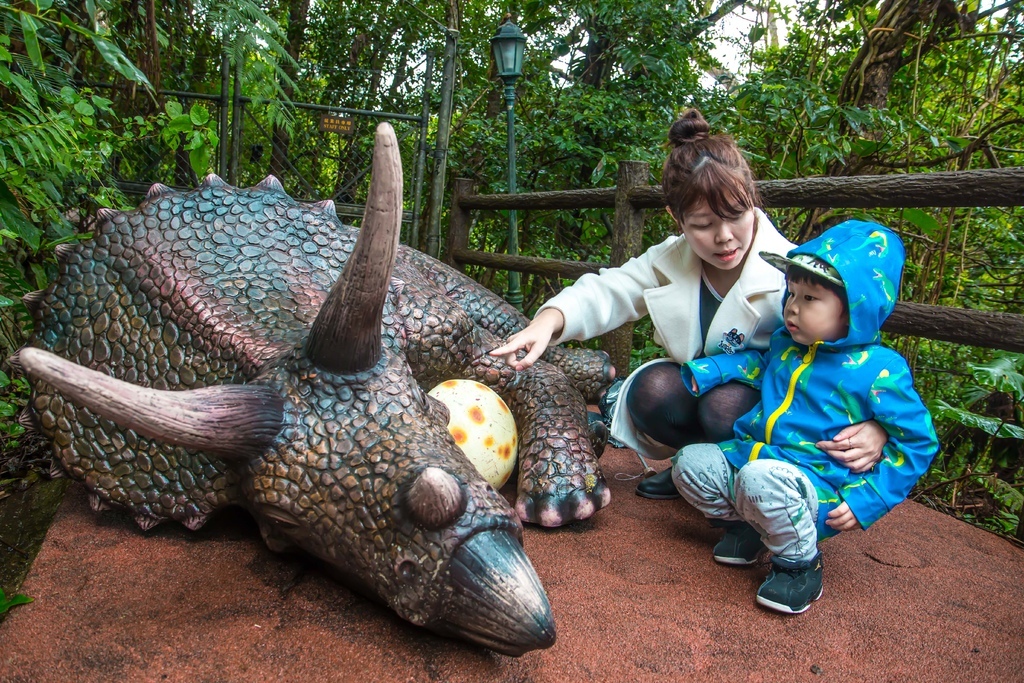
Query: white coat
(664, 282)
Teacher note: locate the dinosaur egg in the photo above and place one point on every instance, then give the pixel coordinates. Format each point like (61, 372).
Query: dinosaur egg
(482, 426)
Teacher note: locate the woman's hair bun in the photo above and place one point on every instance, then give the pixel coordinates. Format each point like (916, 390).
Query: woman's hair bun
(689, 127)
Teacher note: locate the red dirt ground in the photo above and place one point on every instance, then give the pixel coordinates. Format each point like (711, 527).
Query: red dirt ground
(635, 594)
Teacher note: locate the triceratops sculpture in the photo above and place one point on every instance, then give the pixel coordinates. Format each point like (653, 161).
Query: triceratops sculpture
(194, 354)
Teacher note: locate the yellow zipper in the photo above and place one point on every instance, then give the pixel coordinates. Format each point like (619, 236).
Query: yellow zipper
(773, 418)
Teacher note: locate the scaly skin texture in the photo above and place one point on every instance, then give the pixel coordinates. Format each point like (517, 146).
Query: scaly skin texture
(221, 286)
(216, 286)
(590, 371)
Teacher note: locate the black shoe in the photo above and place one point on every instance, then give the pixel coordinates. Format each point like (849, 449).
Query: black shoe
(740, 546)
(791, 586)
(659, 486)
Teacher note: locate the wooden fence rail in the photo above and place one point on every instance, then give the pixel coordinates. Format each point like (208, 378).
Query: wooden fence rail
(632, 194)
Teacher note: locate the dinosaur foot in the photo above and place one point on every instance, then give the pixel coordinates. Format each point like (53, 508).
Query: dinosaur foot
(557, 509)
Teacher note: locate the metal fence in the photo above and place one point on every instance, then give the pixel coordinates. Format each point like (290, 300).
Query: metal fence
(312, 164)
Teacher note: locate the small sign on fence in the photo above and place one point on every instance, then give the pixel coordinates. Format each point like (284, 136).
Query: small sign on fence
(330, 123)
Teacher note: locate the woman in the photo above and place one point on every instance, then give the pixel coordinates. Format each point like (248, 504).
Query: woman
(707, 292)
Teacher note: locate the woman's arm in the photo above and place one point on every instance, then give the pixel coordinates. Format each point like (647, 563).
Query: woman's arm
(535, 338)
(596, 303)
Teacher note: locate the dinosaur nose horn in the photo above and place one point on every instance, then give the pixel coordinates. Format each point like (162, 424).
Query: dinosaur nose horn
(435, 499)
(346, 335)
(497, 600)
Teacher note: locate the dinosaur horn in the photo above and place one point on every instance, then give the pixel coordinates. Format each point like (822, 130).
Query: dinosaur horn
(346, 335)
(230, 421)
(435, 499)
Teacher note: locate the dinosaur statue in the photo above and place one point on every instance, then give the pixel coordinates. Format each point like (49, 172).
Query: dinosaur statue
(230, 346)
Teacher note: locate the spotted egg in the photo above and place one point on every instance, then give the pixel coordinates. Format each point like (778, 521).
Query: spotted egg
(482, 426)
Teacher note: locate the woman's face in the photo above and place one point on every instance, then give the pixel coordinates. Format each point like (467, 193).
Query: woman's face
(721, 243)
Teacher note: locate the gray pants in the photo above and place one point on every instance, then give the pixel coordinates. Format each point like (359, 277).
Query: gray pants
(774, 497)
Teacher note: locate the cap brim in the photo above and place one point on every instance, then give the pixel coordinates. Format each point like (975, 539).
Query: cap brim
(784, 263)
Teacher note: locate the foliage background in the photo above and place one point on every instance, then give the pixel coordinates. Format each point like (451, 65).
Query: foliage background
(856, 87)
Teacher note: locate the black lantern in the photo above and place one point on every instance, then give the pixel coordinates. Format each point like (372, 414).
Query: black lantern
(507, 45)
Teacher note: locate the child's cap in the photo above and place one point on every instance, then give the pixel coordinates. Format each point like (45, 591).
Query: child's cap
(807, 262)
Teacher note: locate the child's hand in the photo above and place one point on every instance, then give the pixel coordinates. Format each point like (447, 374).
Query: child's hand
(693, 385)
(842, 519)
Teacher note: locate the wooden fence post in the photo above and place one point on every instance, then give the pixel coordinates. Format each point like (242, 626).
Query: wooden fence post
(459, 222)
(627, 242)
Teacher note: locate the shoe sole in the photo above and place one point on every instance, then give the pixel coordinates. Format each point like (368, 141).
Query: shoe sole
(658, 496)
(786, 609)
(735, 561)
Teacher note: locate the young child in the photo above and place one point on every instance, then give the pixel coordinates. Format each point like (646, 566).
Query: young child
(824, 370)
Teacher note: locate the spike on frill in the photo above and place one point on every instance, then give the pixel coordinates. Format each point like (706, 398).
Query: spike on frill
(105, 214)
(158, 189)
(146, 522)
(63, 251)
(98, 504)
(57, 470)
(271, 183)
(14, 360)
(27, 420)
(213, 180)
(195, 522)
(327, 206)
(33, 300)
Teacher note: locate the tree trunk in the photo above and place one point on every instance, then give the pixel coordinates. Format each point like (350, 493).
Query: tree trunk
(153, 59)
(298, 12)
(884, 52)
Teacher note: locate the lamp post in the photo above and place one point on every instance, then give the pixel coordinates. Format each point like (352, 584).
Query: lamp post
(507, 46)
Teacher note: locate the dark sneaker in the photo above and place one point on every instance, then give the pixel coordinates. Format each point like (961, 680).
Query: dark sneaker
(791, 586)
(658, 487)
(741, 545)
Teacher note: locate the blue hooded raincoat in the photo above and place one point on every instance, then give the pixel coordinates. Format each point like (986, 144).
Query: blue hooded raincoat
(809, 394)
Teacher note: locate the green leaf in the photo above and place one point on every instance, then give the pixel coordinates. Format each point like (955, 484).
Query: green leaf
(29, 26)
(16, 599)
(943, 411)
(7, 409)
(956, 144)
(4, 379)
(199, 114)
(113, 56)
(14, 220)
(172, 108)
(4, 303)
(84, 108)
(101, 103)
(756, 33)
(42, 281)
(179, 124)
(200, 159)
(1002, 373)
(863, 147)
(923, 220)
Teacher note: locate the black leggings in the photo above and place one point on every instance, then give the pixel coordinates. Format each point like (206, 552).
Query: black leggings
(662, 408)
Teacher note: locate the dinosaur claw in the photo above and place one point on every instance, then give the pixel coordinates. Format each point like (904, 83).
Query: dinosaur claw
(552, 510)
